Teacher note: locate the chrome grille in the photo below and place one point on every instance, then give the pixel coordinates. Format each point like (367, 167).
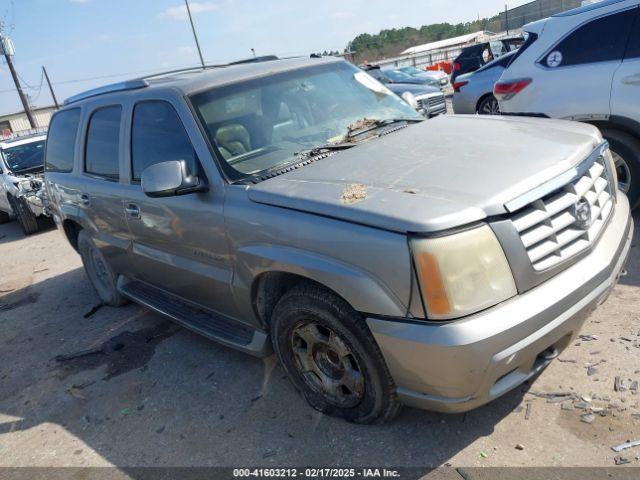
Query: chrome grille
(433, 104)
(553, 228)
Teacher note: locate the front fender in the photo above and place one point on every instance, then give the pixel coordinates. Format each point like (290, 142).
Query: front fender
(363, 292)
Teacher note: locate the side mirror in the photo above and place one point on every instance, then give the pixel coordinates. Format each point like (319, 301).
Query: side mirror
(167, 179)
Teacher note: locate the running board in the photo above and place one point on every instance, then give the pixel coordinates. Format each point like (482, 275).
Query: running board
(214, 326)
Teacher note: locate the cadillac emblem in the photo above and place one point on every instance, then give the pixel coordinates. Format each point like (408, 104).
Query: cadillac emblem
(582, 214)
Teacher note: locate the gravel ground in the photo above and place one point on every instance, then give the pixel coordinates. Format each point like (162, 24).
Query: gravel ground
(162, 395)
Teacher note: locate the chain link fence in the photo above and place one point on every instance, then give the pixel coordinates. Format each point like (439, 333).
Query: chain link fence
(536, 10)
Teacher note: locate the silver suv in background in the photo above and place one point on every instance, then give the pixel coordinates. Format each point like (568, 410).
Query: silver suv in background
(584, 64)
(21, 193)
(299, 205)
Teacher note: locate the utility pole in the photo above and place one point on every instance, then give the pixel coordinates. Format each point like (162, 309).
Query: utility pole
(506, 17)
(53, 95)
(4, 44)
(193, 28)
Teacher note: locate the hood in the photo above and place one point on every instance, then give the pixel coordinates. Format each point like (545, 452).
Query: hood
(415, 89)
(435, 175)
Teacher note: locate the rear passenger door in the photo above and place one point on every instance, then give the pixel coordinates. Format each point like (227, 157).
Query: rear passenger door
(625, 93)
(179, 243)
(580, 68)
(101, 196)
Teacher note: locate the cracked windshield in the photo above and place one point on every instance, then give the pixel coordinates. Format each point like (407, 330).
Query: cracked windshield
(266, 123)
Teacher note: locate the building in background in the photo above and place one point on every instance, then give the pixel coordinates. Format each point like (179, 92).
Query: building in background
(17, 123)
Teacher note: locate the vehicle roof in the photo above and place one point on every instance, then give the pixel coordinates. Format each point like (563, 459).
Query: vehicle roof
(587, 8)
(14, 142)
(197, 79)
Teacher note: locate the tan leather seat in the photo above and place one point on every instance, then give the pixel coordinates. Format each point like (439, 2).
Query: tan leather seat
(233, 140)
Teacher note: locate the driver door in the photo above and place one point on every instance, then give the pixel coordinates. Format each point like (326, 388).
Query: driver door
(179, 243)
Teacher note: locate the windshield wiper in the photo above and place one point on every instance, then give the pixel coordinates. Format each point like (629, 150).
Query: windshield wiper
(320, 149)
(367, 124)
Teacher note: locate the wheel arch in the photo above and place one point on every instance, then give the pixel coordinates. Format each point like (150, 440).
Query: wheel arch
(71, 230)
(622, 124)
(266, 272)
(481, 99)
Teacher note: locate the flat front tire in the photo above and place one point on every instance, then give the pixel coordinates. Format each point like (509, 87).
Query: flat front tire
(625, 149)
(331, 357)
(101, 275)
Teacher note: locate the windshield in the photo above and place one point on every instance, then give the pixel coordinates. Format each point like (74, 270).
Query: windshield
(264, 123)
(24, 157)
(411, 70)
(398, 76)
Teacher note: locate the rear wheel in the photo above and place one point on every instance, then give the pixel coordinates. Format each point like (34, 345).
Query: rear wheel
(331, 357)
(100, 273)
(27, 220)
(489, 106)
(625, 150)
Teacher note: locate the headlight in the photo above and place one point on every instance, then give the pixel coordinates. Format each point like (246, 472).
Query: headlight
(462, 273)
(410, 99)
(612, 168)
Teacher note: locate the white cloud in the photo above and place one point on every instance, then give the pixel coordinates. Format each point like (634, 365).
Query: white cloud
(343, 15)
(180, 12)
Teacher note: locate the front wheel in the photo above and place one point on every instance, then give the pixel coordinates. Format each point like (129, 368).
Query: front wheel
(27, 220)
(331, 357)
(489, 106)
(625, 150)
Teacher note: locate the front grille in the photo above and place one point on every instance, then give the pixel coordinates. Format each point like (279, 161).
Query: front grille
(555, 228)
(433, 105)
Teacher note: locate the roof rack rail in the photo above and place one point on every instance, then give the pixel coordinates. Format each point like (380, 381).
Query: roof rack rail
(114, 87)
(142, 82)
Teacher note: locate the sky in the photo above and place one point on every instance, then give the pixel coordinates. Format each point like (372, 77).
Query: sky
(88, 43)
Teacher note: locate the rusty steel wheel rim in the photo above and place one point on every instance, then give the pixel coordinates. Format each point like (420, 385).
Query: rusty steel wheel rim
(327, 365)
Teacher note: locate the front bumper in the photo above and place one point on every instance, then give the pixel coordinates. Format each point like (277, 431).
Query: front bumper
(459, 365)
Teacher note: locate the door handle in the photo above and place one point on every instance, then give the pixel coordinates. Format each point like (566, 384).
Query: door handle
(132, 210)
(632, 79)
(85, 199)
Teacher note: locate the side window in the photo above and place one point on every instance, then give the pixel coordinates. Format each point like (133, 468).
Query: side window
(157, 135)
(600, 40)
(633, 47)
(61, 141)
(103, 141)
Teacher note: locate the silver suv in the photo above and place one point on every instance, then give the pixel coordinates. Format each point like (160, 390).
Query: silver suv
(300, 206)
(584, 64)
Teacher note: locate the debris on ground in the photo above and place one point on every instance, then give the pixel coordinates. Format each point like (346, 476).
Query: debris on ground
(93, 310)
(81, 353)
(619, 384)
(625, 445)
(587, 418)
(519, 446)
(566, 360)
(591, 370)
(354, 193)
(527, 412)
(588, 338)
(621, 460)
(484, 455)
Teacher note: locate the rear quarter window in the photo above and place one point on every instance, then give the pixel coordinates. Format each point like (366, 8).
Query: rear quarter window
(103, 143)
(601, 40)
(61, 141)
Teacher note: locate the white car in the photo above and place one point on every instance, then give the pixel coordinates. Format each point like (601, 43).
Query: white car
(21, 169)
(584, 65)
